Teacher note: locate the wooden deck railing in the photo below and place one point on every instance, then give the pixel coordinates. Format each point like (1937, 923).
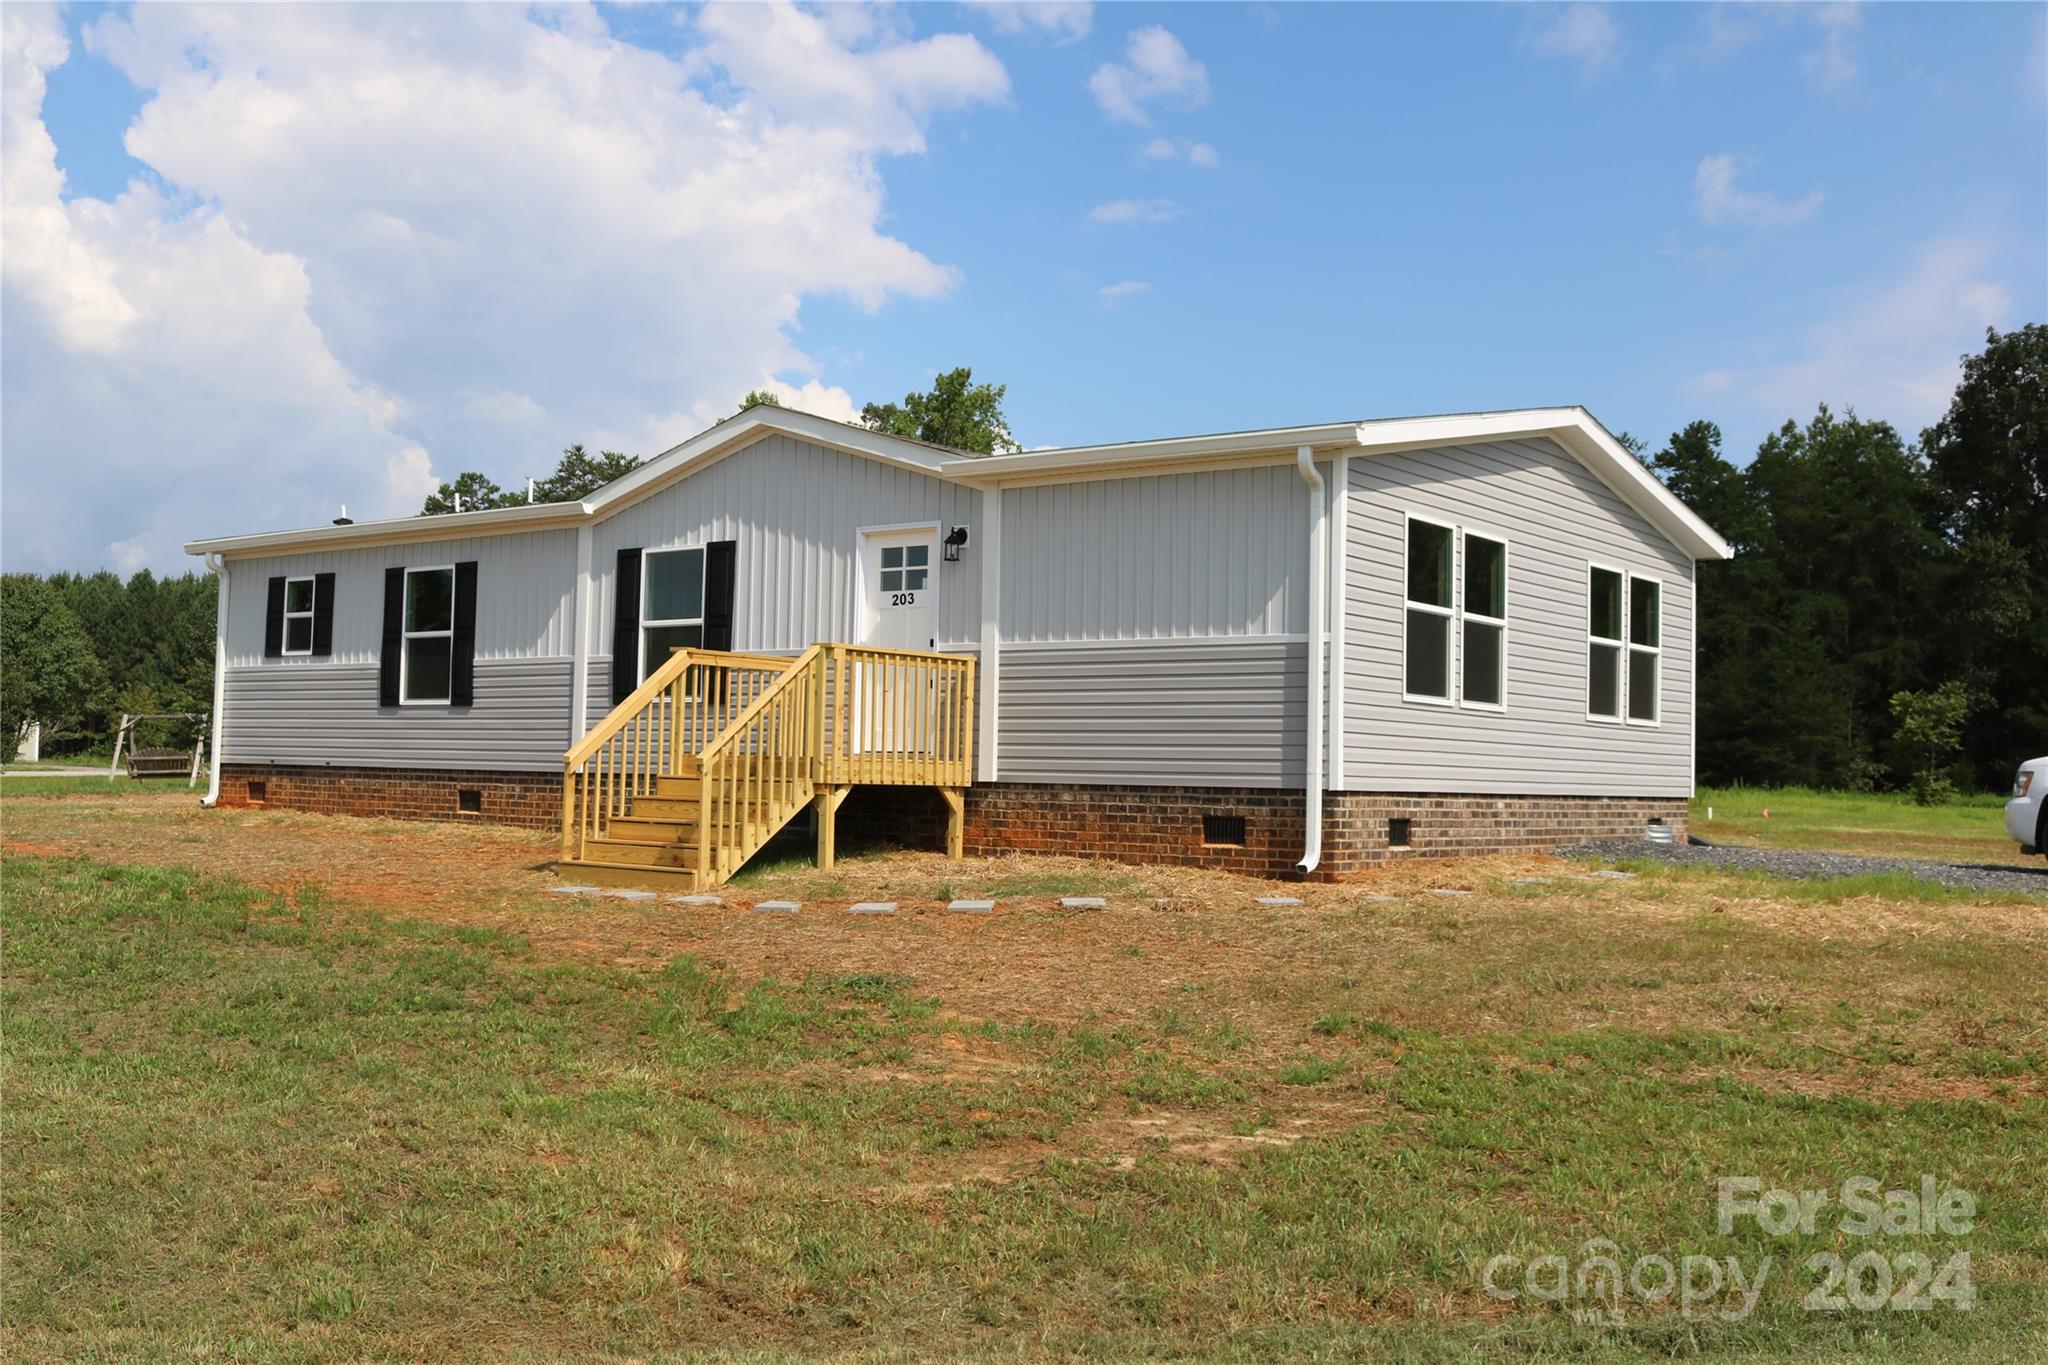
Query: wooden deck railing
(767, 733)
(683, 706)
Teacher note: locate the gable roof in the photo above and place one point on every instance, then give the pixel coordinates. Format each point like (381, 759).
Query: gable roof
(1574, 428)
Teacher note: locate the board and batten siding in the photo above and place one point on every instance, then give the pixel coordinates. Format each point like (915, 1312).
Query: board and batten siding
(525, 591)
(1556, 518)
(795, 510)
(1166, 556)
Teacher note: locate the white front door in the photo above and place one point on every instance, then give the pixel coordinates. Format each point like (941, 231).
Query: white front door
(899, 572)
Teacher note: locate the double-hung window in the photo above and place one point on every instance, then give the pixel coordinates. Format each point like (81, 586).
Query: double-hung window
(298, 615)
(671, 604)
(1604, 644)
(1483, 672)
(1645, 648)
(427, 663)
(1431, 606)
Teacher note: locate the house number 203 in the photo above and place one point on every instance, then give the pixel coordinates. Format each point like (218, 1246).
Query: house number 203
(902, 599)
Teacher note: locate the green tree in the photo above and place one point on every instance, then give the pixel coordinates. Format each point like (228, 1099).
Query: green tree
(1931, 732)
(468, 491)
(759, 398)
(955, 412)
(579, 474)
(48, 672)
(1987, 462)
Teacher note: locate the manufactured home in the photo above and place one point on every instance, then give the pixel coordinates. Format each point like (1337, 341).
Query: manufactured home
(1300, 650)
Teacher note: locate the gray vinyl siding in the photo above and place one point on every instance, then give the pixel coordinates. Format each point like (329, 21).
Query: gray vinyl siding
(796, 510)
(330, 715)
(524, 596)
(1556, 517)
(1216, 713)
(1216, 553)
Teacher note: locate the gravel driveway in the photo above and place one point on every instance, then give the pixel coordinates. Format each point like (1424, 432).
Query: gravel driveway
(1786, 862)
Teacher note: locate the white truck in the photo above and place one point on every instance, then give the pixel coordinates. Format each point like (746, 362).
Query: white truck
(2026, 815)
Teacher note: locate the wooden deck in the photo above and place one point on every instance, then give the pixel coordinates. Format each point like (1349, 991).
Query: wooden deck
(717, 752)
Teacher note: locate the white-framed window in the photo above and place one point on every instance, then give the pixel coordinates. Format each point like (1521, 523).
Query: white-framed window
(1645, 648)
(905, 570)
(426, 662)
(1605, 642)
(1429, 612)
(298, 615)
(671, 604)
(1483, 624)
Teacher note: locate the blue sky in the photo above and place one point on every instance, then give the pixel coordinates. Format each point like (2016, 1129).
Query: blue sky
(262, 262)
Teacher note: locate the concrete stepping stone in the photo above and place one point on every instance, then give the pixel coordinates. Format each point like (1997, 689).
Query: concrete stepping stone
(1083, 902)
(872, 908)
(972, 907)
(696, 900)
(1379, 898)
(778, 907)
(627, 893)
(1279, 900)
(1532, 881)
(1447, 891)
(1613, 875)
(572, 890)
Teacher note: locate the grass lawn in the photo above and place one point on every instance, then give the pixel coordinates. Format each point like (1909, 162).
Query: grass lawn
(1967, 829)
(264, 1105)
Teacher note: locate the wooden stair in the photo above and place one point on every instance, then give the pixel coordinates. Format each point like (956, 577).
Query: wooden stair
(716, 753)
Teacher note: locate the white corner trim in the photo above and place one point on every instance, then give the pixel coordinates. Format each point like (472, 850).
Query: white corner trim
(218, 726)
(1340, 597)
(990, 669)
(579, 623)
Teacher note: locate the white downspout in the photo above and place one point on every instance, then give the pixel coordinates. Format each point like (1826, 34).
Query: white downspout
(1318, 611)
(219, 565)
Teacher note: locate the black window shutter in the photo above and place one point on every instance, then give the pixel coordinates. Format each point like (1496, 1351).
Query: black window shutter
(323, 614)
(394, 637)
(462, 667)
(273, 621)
(721, 564)
(626, 626)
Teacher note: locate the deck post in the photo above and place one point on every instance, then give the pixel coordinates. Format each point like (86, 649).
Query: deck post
(827, 803)
(956, 820)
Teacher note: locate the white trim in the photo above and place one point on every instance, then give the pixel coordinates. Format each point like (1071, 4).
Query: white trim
(579, 682)
(990, 670)
(1340, 600)
(406, 636)
(860, 573)
(640, 669)
(1571, 427)
(217, 726)
(1692, 684)
(1315, 738)
(1631, 649)
(1449, 613)
(1618, 643)
(1148, 641)
(284, 646)
(1467, 615)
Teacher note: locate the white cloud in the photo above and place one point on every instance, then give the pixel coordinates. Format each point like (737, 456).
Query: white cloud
(817, 399)
(1582, 33)
(1835, 63)
(1155, 69)
(1197, 154)
(382, 244)
(1722, 31)
(1892, 355)
(1720, 198)
(1121, 211)
(1110, 295)
(1062, 21)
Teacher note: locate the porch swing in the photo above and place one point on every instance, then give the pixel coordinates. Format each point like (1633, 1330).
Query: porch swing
(158, 761)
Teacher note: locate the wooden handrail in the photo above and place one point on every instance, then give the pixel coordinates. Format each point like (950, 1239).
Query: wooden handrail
(657, 682)
(761, 703)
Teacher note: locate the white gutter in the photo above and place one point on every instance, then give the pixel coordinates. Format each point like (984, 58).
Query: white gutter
(219, 566)
(1318, 611)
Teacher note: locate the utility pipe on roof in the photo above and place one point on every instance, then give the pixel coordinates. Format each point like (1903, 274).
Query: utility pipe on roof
(217, 722)
(1318, 609)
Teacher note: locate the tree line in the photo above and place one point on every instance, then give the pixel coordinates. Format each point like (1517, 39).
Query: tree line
(1884, 623)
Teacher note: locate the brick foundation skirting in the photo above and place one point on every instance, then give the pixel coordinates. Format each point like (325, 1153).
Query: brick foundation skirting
(533, 800)
(1127, 824)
